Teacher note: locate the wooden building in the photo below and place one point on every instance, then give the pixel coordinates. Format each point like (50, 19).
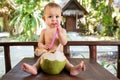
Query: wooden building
(72, 11)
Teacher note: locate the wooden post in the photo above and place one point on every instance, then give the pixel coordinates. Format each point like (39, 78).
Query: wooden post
(7, 58)
(93, 52)
(34, 50)
(67, 51)
(118, 63)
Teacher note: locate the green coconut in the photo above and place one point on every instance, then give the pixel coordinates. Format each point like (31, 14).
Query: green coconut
(53, 63)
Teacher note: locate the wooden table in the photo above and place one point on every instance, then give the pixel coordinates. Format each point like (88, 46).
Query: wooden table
(93, 72)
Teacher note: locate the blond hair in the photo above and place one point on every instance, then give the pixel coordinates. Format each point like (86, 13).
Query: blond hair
(52, 5)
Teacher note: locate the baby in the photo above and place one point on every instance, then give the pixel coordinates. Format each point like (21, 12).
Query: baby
(52, 17)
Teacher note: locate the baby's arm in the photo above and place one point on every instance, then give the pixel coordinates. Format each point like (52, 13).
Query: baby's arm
(41, 47)
(41, 40)
(62, 35)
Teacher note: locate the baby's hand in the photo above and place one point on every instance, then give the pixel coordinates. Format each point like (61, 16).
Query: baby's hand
(40, 45)
(46, 47)
(58, 26)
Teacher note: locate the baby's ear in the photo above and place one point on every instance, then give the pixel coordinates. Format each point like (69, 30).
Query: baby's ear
(43, 18)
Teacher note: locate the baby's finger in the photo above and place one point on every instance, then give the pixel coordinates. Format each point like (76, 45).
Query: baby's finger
(83, 66)
(46, 47)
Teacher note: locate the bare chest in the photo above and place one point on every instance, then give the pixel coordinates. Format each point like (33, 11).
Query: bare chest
(49, 36)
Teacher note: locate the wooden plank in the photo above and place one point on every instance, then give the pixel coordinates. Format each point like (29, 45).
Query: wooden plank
(72, 43)
(93, 72)
(98, 43)
(19, 43)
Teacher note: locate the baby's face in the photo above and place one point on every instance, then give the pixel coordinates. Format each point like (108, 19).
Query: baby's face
(52, 16)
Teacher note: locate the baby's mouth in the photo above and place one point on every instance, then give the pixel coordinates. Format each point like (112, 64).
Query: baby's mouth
(56, 23)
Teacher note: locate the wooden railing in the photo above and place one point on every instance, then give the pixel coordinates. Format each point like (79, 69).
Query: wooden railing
(91, 44)
(7, 45)
(93, 50)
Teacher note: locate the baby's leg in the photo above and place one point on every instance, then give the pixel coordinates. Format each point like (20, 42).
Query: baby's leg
(77, 69)
(74, 70)
(29, 69)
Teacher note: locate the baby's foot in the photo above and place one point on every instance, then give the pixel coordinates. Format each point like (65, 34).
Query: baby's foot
(77, 69)
(29, 69)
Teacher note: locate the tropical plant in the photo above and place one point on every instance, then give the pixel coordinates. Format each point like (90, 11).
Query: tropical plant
(107, 65)
(27, 17)
(103, 12)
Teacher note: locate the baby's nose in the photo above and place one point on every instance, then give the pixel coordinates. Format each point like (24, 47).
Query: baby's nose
(54, 18)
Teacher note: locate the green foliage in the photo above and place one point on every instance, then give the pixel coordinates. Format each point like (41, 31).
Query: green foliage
(96, 4)
(103, 63)
(107, 65)
(83, 28)
(100, 11)
(108, 31)
(23, 37)
(1, 3)
(27, 17)
(28, 13)
(118, 34)
(114, 67)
